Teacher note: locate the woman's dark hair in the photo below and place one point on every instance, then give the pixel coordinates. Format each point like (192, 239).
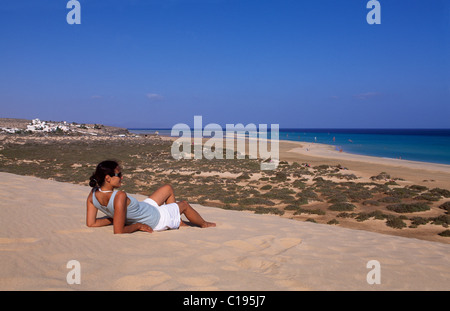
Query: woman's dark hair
(103, 169)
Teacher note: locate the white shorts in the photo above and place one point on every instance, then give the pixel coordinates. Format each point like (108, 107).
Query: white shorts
(170, 215)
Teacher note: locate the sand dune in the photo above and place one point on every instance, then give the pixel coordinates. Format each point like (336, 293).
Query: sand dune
(43, 228)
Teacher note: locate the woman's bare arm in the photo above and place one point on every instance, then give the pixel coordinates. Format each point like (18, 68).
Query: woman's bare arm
(120, 214)
(91, 215)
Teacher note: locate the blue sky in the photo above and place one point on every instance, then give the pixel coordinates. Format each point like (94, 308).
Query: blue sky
(155, 63)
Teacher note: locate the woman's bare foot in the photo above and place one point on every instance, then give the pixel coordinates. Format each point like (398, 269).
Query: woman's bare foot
(193, 216)
(208, 224)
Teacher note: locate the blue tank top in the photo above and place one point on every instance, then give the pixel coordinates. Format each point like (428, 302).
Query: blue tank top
(136, 211)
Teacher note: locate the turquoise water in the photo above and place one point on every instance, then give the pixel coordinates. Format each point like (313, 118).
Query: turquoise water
(426, 145)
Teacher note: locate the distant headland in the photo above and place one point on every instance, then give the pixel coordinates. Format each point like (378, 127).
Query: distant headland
(37, 126)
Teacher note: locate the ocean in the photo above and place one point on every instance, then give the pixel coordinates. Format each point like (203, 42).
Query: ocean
(425, 145)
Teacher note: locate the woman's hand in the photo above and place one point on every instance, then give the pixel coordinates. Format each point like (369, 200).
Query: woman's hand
(144, 227)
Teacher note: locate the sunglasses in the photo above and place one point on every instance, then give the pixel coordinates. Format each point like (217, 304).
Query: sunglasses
(117, 175)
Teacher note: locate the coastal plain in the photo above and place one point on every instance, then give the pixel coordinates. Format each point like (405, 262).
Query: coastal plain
(312, 224)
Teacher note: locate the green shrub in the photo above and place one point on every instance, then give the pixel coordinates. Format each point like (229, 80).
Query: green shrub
(282, 194)
(333, 222)
(342, 206)
(299, 184)
(292, 207)
(254, 201)
(443, 220)
(268, 210)
(401, 193)
(295, 165)
(362, 217)
(428, 196)
(391, 183)
(229, 199)
(358, 194)
(418, 221)
(418, 188)
(445, 206)
(337, 198)
(442, 192)
(266, 187)
(300, 201)
(408, 208)
(243, 176)
(381, 176)
(445, 233)
(309, 211)
(390, 200)
(279, 176)
(395, 222)
(346, 215)
(308, 193)
(378, 215)
(234, 208)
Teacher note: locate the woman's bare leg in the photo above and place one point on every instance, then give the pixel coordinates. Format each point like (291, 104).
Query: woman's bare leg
(164, 194)
(193, 216)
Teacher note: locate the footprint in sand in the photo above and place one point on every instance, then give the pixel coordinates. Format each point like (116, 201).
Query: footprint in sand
(281, 245)
(267, 245)
(257, 263)
(260, 253)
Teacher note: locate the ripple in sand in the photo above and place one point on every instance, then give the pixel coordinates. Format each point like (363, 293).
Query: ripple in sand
(142, 281)
(16, 244)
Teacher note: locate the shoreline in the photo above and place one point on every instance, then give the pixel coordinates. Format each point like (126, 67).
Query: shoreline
(423, 173)
(332, 149)
(317, 154)
(329, 152)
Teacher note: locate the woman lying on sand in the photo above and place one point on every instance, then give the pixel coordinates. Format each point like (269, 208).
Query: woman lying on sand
(156, 213)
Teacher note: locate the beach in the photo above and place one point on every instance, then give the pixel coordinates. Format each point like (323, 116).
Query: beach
(43, 228)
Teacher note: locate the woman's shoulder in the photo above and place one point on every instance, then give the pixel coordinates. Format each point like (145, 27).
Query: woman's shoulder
(120, 194)
(91, 193)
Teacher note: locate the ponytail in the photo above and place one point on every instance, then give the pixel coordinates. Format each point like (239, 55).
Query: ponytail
(93, 182)
(103, 169)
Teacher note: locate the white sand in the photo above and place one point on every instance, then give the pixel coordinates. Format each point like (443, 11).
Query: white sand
(43, 227)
